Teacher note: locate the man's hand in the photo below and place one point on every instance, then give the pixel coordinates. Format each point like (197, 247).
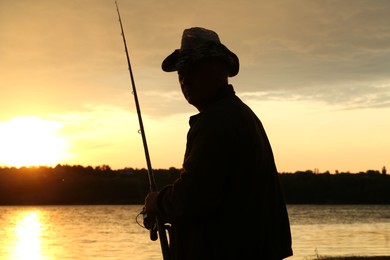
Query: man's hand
(150, 211)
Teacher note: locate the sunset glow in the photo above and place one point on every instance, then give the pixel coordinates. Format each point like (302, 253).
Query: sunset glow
(31, 141)
(315, 72)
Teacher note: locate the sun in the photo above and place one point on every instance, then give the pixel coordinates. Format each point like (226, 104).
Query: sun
(31, 141)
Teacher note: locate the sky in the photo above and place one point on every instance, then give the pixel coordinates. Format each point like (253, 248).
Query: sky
(317, 74)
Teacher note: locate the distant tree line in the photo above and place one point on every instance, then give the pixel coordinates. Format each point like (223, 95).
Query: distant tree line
(370, 187)
(69, 185)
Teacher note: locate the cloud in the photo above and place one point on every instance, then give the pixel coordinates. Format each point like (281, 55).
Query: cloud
(73, 51)
(355, 96)
(335, 52)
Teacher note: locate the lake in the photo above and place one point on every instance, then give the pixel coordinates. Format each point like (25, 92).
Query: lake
(111, 232)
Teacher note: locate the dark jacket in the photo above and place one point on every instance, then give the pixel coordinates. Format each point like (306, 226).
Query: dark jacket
(227, 203)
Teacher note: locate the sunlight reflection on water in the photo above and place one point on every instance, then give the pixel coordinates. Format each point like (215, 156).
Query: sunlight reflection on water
(74, 232)
(28, 231)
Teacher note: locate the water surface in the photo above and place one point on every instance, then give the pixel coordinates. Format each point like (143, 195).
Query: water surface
(111, 232)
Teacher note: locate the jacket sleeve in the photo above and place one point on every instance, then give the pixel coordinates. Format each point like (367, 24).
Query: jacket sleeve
(209, 159)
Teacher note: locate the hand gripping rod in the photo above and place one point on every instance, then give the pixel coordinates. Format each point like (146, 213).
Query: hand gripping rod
(152, 182)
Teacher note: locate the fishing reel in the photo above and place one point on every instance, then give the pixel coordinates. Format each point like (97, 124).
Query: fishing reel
(150, 224)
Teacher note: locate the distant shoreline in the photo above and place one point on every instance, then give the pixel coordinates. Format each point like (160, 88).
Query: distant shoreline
(78, 185)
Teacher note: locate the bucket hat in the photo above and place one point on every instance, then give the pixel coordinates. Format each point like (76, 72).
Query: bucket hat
(197, 44)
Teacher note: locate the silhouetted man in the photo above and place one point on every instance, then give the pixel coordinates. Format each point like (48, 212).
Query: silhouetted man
(227, 203)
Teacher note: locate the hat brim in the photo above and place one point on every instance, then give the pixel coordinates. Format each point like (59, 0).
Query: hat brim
(170, 63)
(178, 58)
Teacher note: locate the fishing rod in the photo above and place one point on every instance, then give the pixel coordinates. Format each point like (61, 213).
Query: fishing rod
(152, 182)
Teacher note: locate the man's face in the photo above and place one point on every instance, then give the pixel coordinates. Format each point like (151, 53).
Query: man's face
(201, 81)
